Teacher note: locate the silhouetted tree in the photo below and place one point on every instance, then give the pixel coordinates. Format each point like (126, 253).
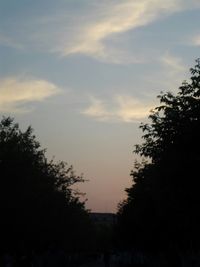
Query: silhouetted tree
(37, 203)
(163, 202)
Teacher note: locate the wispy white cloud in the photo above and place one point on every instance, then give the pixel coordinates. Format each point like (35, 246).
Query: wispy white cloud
(172, 72)
(9, 42)
(196, 40)
(97, 109)
(122, 108)
(132, 109)
(173, 63)
(16, 92)
(116, 18)
(93, 37)
(92, 29)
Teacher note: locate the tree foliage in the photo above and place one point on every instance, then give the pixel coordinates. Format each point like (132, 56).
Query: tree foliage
(37, 202)
(164, 200)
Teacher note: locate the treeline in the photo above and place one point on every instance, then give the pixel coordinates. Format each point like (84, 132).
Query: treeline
(161, 212)
(37, 203)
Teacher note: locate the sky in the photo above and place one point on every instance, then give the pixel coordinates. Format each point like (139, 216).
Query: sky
(85, 73)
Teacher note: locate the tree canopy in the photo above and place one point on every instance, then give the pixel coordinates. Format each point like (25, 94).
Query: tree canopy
(37, 202)
(163, 202)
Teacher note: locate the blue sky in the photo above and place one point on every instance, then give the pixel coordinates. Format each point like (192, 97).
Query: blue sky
(85, 73)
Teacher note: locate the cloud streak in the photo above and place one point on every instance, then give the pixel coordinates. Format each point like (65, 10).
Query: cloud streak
(196, 40)
(121, 16)
(172, 71)
(96, 30)
(122, 108)
(7, 41)
(174, 64)
(16, 92)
